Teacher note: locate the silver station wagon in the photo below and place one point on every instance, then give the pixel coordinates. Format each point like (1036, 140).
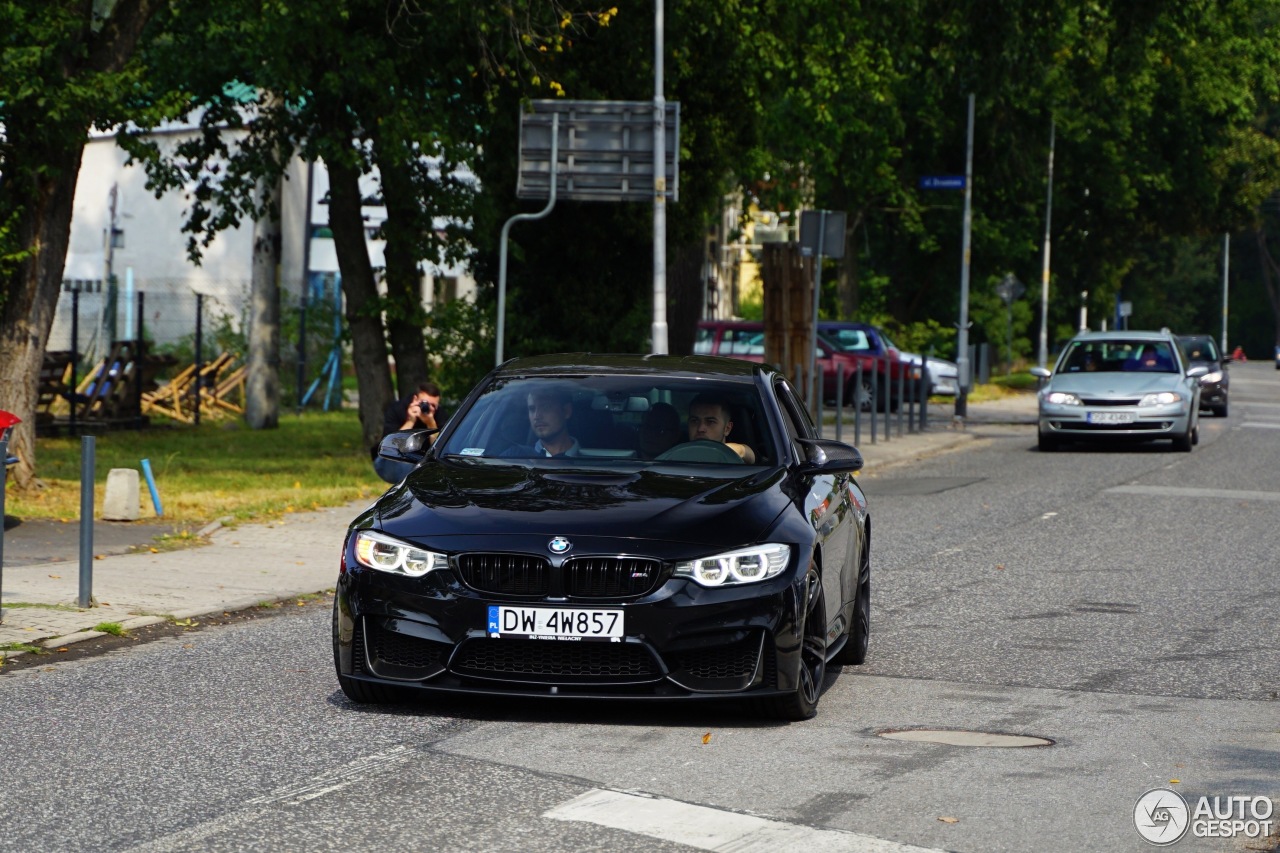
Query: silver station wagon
(1120, 386)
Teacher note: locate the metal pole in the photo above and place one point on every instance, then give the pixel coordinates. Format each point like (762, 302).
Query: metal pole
(1226, 266)
(901, 396)
(840, 401)
(199, 351)
(962, 342)
(875, 397)
(857, 404)
(817, 403)
(302, 345)
(506, 230)
(1044, 272)
(888, 399)
(817, 298)
(75, 359)
(659, 189)
(86, 519)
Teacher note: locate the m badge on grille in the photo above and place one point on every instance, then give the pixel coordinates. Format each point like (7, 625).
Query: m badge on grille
(559, 545)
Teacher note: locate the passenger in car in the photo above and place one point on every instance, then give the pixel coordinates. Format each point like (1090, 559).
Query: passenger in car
(659, 430)
(710, 420)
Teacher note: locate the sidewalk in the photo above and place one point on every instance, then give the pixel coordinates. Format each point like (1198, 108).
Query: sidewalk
(253, 564)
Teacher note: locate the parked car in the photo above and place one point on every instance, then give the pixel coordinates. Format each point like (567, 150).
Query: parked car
(839, 343)
(1109, 386)
(1214, 385)
(944, 376)
(611, 572)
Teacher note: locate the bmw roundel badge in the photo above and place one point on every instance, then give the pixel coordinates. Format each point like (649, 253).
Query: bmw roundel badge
(559, 545)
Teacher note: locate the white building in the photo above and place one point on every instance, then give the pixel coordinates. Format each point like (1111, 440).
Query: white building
(149, 256)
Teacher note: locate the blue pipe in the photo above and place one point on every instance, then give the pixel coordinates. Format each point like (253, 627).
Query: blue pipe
(151, 485)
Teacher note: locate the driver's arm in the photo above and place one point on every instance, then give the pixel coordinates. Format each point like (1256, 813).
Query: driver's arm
(748, 455)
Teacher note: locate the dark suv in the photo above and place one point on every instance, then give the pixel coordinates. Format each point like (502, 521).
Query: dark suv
(1214, 385)
(839, 343)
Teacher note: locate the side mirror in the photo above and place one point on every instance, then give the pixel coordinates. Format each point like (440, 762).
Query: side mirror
(407, 446)
(827, 456)
(1042, 372)
(1198, 370)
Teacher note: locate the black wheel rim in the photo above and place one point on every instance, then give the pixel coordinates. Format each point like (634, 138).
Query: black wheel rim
(813, 653)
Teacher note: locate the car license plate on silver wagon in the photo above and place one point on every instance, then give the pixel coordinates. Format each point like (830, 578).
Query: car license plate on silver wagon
(554, 623)
(1110, 417)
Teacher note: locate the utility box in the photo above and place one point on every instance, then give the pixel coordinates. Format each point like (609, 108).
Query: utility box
(123, 497)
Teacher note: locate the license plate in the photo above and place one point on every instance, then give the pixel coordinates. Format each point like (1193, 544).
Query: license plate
(1110, 418)
(555, 623)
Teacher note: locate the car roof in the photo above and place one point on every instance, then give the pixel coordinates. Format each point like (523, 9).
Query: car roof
(1113, 335)
(685, 366)
(759, 324)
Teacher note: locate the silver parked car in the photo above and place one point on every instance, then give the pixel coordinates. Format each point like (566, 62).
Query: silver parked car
(944, 376)
(1110, 386)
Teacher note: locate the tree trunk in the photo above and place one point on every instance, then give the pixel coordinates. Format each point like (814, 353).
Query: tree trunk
(1270, 271)
(685, 296)
(368, 341)
(262, 386)
(405, 316)
(45, 144)
(847, 276)
(32, 296)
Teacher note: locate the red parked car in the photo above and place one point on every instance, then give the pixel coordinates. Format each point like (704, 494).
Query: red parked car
(839, 343)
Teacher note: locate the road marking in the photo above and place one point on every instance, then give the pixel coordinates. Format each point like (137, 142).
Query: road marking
(1260, 425)
(1184, 492)
(708, 828)
(292, 795)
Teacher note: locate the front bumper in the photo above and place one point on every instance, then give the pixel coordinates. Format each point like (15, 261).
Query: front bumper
(682, 641)
(1114, 422)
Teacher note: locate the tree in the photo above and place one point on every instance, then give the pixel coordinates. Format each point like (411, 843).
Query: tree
(65, 66)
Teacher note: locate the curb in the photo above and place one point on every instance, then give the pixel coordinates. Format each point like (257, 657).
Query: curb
(135, 622)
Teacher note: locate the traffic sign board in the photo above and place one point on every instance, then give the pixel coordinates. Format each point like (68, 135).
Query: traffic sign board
(942, 182)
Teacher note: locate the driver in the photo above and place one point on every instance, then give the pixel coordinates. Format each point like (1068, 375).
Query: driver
(709, 420)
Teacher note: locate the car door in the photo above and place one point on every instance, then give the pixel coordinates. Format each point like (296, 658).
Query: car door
(827, 508)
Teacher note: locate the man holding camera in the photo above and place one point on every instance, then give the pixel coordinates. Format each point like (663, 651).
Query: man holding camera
(420, 410)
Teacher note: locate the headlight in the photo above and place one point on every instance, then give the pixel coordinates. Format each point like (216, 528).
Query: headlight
(1210, 378)
(1164, 398)
(381, 552)
(1061, 398)
(747, 565)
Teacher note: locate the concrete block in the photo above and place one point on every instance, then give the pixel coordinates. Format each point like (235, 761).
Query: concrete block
(122, 499)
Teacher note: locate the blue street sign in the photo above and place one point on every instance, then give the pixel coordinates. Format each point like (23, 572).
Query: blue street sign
(942, 182)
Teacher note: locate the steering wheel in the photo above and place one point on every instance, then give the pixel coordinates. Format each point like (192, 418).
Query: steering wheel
(700, 450)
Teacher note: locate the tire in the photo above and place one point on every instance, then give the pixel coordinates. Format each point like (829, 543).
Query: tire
(802, 703)
(1047, 443)
(1183, 443)
(855, 648)
(1220, 411)
(861, 400)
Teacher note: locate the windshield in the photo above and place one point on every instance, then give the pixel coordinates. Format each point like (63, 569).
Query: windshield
(584, 420)
(849, 340)
(1200, 350)
(1119, 356)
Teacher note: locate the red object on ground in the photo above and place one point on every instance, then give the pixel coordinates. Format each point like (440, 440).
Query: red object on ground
(1238, 354)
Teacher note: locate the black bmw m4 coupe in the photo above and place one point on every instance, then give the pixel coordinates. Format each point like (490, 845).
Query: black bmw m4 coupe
(612, 526)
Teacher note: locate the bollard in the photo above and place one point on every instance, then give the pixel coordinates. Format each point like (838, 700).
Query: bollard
(840, 401)
(874, 382)
(902, 378)
(151, 485)
(817, 400)
(857, 404)
(86, 519)
(888, 400)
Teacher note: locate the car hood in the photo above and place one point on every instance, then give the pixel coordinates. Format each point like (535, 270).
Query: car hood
(671, 503)
(1115, 384)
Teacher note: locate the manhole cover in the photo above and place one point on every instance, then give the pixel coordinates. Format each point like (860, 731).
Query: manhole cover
(955, 737)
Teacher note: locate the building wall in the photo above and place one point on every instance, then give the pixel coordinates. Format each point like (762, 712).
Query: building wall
(151, 252)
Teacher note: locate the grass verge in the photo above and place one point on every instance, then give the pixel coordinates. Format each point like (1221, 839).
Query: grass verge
(216, 470)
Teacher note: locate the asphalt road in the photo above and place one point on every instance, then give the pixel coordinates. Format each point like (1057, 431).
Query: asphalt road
(1121, 603)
